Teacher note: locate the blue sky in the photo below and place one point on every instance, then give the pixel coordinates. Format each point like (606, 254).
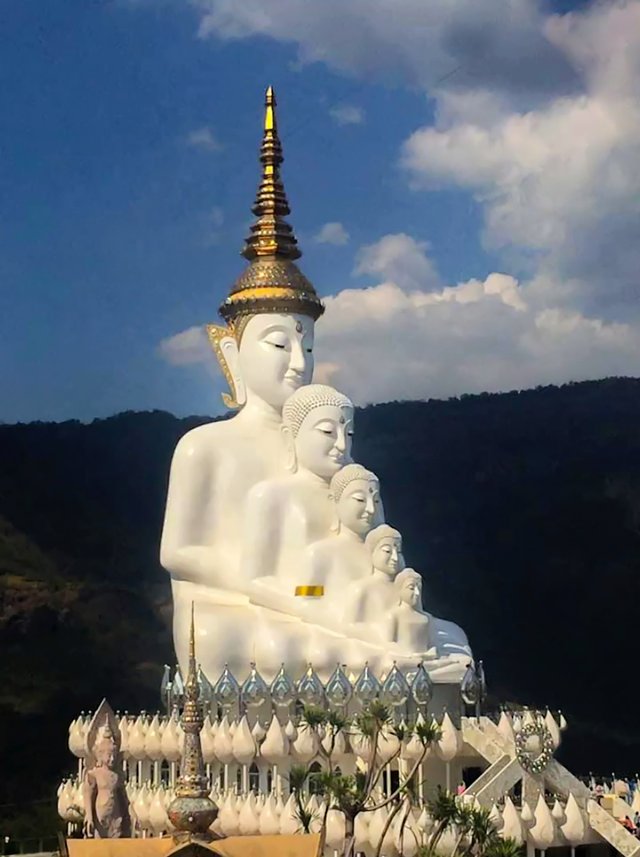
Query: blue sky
(128, 143)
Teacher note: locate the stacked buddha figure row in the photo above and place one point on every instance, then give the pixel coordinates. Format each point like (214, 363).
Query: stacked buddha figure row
(271, 528)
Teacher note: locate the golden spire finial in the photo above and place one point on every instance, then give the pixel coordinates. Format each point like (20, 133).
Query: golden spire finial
(272, 282)
(192, 811)
(271, 235)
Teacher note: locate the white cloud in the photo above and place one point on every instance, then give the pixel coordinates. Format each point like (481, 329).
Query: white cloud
(502, 45)
(401, 258)
(386, 342)
(559, 185)
(186, 348)
(204, 139)
(332, 233)
(347, 114)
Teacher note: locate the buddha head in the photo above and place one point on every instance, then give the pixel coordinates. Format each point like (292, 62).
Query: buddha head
(408, 585)
(105, 749)
(356, 494)
(266, 348)
(385, 546)
(265, 356)
(317, 425)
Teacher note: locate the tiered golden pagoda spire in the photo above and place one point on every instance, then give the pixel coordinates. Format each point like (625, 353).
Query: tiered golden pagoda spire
(192, 811)
(272, 282)
(271, 235)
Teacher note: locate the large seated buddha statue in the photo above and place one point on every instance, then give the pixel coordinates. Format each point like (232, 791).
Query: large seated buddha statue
(265, 350)
(271, 530)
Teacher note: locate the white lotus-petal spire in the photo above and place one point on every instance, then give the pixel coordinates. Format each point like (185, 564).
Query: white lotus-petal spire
(243, 744)
(290, 730)
(207, 741)
(222, 743)
(376, 828)
(141, 807)
(269, 821)
(170, 741)
(526, 815)
(512, 827)
(505, 727)
(158, 820)
(562, 723)
(405, 841)
(543, 832)
(153, 740)
(528, 719)
(289, 822)
(137, 735)
(228, 816)
(336, 744)
(425, 821)
(361, 830)
(635, 803)
(449, 743)
(123, 726)
(575, 826)
(306, 745)
(516, 723)
(554, 729)
(557, 813)
(496, 818)
(259, 732)
(248, 818)
(388, 745)
(335, 830)
(275, 747)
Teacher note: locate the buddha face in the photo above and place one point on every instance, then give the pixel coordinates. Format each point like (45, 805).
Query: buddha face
(411, 592)
(276, 356)
(387, 555)
(105, 752)
(323, 442)
(360, 507)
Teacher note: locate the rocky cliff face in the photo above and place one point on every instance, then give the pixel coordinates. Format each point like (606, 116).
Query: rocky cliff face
(522, 512)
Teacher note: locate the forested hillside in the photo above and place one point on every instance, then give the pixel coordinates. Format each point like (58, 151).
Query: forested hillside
(521, 510)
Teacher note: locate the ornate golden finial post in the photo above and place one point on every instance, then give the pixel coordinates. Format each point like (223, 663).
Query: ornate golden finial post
(271, 236)
(272, 282)
(192, 811)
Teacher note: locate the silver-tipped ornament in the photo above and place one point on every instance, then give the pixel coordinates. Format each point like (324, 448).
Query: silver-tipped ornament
(283, 691)
(395, 690)
(254, 692)
(367, 687)
(422, 687)
(310, 690)
(338, 689)
(226, 691)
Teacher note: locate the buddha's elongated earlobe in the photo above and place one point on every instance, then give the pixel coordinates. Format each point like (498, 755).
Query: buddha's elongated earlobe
(335, 518)
(226, 350)
(290, 458)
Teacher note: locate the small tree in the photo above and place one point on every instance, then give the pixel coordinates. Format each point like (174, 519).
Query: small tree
(353, 794)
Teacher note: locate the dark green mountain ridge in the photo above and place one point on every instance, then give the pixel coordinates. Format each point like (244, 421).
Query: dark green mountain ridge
(521, 510)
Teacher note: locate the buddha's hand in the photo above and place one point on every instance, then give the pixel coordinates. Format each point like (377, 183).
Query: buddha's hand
(89, 828)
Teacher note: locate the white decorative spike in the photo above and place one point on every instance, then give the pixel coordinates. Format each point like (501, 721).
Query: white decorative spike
(449, 744)
(248, 819)
(557, 813)
(275, 747)
(496, 818)
(543, 832)
(335, 830)
(554, 729)
(512, 827)
(575, 825)
(243, 745)
(223, 743)
(505, 727)
(269, 821)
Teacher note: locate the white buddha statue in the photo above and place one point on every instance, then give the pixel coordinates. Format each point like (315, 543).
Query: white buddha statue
(266, 353)
(341, 557)
(265, 511)
(408, 625)
(368, 600)
(286, 514)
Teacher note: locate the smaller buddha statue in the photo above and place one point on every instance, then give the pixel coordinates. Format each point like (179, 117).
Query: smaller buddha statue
(408, 623)
(368, 601)
(284, 515)
(105, 798)
(342, 557)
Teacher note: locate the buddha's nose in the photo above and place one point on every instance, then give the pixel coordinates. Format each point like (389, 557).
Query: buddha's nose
(297, 361)
(369, 505)
(341, 441)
